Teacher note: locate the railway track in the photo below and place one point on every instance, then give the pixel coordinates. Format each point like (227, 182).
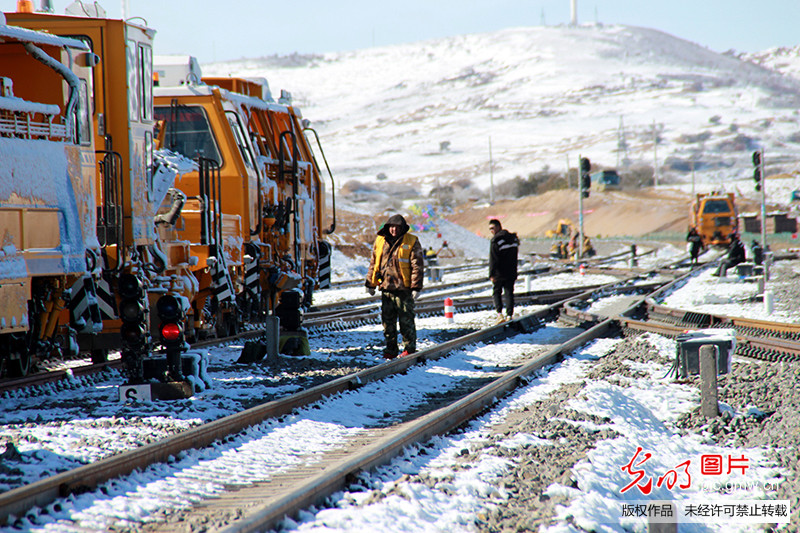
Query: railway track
(311, 486)
(762, 339)
(55, 376)
(335, 313)
(327, 317)
(39, 494)
(755, 339)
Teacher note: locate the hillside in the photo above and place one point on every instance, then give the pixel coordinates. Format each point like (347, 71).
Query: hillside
(425, 114)
(399, 122)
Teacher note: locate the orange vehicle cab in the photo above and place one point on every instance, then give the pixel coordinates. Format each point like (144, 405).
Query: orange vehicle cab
(47, 193)
(715, 218)
(264, 181)
(138, 270)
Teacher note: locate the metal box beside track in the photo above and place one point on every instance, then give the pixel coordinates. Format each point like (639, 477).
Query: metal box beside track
(688, 350)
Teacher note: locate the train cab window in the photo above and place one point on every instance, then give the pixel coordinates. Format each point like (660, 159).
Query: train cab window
(187, 131)
(140, 81)
(145, 60)
(83, 117)
(134, 89)
(241, 139)
(716, 206)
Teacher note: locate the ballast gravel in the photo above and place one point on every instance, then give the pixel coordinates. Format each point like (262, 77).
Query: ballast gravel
(760, 407)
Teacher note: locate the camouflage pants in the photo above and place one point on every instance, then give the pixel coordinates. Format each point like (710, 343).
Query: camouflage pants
(398, 306)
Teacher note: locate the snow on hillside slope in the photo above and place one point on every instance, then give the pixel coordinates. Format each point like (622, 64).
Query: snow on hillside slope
(785, 60)
(540, 95)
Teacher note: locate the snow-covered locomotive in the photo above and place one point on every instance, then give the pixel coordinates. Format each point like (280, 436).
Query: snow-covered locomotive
(47, 219)
(255, 206)
(222, 226)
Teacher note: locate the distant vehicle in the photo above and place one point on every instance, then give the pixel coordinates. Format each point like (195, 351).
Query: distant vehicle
(714, 216)
(605, 180)
(795, 196)
(564, 228)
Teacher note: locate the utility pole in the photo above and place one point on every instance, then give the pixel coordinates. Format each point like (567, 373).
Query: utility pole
(622, 144)
(655, 154)
(491, 173)
(569, 181)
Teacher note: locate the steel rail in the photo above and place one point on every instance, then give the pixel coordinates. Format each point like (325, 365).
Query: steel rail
(442, 421)
(341, 316)
(40, 493)
(314, 489)
(430, 306)
(682, 316)
(53, 376)
(337, 315)
(769, 349)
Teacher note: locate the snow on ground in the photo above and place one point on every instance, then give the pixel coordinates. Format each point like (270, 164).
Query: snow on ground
(345, 268)
(729, 296)
(258, 453)
(641, 414)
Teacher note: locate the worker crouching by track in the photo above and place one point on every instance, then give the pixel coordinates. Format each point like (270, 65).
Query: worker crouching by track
(397, 269)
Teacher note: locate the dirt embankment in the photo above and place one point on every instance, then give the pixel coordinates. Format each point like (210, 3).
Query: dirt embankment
(612, 213)
(606, 214)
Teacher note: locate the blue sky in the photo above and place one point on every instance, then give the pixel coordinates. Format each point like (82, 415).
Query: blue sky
(230, 29)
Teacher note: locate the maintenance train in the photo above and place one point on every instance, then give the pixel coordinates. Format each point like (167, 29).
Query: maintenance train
(137, 217)
(714, 217)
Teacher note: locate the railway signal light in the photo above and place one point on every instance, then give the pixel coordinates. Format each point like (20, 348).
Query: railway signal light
(586, 179)
(135, 324)
(170, 314)
(757, 172)
(132, 310)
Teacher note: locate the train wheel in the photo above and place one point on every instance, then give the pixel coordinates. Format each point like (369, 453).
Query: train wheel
(19, 357)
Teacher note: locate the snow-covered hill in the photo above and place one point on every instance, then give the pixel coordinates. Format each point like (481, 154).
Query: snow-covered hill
(424, 114)
(785, 60)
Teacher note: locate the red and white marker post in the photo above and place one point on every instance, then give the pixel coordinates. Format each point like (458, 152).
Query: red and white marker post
(448, 310)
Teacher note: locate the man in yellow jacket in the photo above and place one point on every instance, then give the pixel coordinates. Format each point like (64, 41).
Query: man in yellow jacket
(397, 269)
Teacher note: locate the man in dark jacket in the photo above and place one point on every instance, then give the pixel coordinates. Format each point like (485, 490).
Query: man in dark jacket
(503, 252)
(397, 269)
(735, 255)
(758, 252)
(695, 242)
